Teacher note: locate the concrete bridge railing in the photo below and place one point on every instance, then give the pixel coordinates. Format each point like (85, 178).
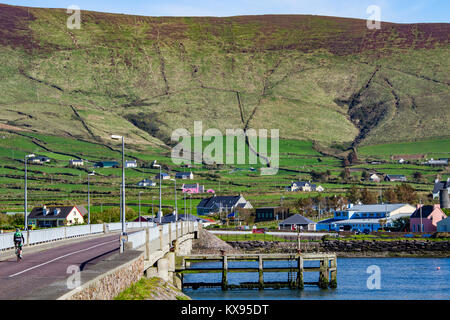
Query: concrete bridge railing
(157, 238)
(148, 252)
(33, 237)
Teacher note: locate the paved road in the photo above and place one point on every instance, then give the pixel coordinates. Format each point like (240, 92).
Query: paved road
(43, 268)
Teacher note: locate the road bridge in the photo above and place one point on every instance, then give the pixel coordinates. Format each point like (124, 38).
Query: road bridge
(75, 263)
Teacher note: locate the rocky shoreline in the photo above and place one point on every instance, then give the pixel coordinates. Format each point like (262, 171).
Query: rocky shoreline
(342, 248)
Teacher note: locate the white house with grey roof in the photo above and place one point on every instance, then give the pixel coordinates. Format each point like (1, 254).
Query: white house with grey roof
(297, 222)
(440, 185)
(216, 204)
(55, 216)
(184, 175)
(76, 162)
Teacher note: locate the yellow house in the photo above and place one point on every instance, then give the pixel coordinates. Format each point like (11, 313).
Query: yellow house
(55, 216)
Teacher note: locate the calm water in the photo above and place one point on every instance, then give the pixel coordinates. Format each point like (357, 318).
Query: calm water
(401, 278)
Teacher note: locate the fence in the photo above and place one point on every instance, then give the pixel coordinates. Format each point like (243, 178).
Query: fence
(54, 234)
(137, 238)
(160, 237)
(169, 232)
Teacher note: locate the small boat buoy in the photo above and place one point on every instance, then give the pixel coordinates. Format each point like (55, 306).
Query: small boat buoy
(439, 268)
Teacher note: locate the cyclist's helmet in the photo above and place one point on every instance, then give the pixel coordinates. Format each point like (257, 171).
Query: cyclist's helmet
(17, 229)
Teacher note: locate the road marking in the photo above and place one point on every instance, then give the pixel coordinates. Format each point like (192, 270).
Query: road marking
(63, 256)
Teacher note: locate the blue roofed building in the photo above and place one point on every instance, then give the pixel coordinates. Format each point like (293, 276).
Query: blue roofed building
(365, 216)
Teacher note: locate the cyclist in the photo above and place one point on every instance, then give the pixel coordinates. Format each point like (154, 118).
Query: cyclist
(18, 242)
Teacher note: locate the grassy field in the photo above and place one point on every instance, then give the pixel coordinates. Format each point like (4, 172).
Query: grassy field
(321, 81)
(430, 148)
(314, 78)
(57, 183)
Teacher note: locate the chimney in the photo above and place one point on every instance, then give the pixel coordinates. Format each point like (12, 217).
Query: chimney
(444, 200)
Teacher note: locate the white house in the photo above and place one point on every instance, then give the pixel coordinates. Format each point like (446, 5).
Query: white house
(374, 178)
(299, 186)
(146, 183)
(222, 204)
(317, 188)
(164, 176)
(76, 162)
(55, 216)
(130, 164)
(184, 175)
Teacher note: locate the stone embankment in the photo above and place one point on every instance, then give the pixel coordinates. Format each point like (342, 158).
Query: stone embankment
(362, 248)
(207, 243)
(396, 247)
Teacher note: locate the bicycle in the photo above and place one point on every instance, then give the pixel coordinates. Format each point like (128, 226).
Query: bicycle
(19, 252)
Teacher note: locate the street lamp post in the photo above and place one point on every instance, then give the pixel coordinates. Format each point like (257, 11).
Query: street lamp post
(160, 204)
(140, 206)
(26, 200)
(117, 137)
(176, 207)
(89, 198)
(153, 214)
(421, 223)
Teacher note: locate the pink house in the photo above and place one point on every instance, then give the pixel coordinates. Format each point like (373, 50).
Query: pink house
(431, 215)
(193, 188)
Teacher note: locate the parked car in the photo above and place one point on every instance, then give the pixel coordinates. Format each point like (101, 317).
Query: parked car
(259, 230)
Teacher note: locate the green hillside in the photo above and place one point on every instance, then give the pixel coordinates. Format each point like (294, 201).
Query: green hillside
(323, 79)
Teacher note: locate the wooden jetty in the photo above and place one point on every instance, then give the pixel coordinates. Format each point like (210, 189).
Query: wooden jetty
(327, 270)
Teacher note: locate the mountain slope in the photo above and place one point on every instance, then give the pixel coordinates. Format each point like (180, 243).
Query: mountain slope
(315, 78)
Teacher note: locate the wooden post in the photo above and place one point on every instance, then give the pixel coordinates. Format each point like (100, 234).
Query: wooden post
(261, 272)
(225, 273)
(333, 281)
(324, 273)
(300, 284)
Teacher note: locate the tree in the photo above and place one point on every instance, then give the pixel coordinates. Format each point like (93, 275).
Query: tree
(405, 193)
(368, 197)
(353, 194)
(304, 205)
(364, 175)
(382, 222)
(417, 176)
(390, 196)
(400, 224)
